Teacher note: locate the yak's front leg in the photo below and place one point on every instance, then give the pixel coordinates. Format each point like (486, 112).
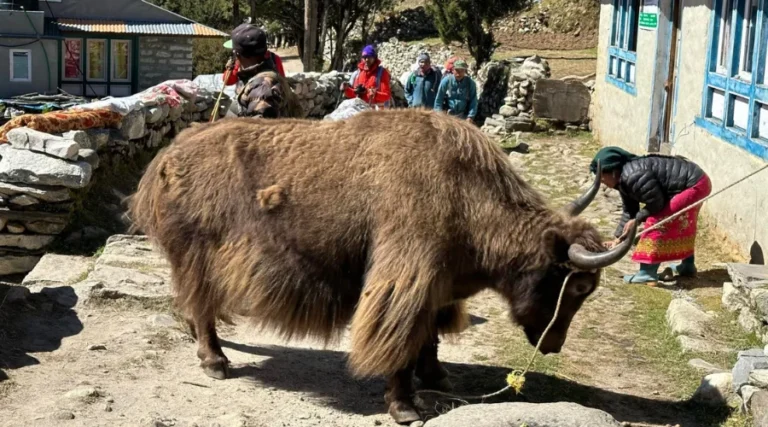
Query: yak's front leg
(399, 396)
(429, 369)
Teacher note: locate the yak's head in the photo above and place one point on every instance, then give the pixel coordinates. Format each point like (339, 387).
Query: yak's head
(576, 250)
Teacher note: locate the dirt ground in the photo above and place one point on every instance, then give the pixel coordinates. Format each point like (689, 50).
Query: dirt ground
(68, 359)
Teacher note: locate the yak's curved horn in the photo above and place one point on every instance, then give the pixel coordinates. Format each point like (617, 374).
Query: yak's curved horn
(577, 206)
(586, 260)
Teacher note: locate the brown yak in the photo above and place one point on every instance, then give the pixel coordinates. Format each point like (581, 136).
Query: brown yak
(388, 220)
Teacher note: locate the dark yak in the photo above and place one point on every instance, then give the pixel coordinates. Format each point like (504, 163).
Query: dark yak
(388, 220)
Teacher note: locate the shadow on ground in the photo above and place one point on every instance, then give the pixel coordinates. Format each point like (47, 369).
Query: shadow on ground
(35, 325)
(323, 374)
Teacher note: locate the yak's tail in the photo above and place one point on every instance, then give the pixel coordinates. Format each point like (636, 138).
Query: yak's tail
(144, 205)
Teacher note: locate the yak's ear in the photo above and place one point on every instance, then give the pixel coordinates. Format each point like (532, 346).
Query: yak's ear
(558, 246)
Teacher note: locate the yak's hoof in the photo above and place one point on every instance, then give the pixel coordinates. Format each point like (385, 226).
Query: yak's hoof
(403, 412)
(217, 369)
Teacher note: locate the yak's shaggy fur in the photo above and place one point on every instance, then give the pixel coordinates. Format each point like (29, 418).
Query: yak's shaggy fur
(388, 220)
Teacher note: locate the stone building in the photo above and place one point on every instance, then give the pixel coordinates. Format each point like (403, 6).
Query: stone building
(93, 47)
(689, 78)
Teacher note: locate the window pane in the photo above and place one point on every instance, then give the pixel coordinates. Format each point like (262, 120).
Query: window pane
(72, 58)
(96, 59)
(121, 59)
(634, 26)
(725, 35)
(748, 33)
(616, 22)
(20, 66)
(762, 127)
(740, 112)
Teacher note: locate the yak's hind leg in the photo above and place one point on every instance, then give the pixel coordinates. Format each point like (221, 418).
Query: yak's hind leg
(399, 397)
(212, 359)
(449, 320)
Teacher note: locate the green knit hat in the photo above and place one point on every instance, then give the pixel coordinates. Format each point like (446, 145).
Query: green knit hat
(611, 158)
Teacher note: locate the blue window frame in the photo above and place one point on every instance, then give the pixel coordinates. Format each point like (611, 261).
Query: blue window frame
(735, 106)
(622, 51)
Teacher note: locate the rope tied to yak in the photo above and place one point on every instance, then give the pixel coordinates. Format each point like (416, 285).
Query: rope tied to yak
(516, 378)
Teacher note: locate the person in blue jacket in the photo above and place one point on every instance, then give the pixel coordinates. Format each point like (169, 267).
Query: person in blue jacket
(457, 94)
(421, 88)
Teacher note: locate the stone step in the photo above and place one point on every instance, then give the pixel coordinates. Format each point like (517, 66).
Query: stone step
(748, 275)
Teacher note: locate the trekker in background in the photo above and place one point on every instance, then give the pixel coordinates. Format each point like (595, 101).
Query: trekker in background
(370, 82)
(421, 88)
(234, 65)
(457, 94)
(448, 68)
(264, 93)
(665, 185)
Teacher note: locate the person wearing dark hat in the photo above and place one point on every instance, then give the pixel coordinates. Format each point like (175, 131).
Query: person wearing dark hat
(457, 94)
(234, 65)
(264, 91)
(421, 88)
(665, 185)
(370, 82)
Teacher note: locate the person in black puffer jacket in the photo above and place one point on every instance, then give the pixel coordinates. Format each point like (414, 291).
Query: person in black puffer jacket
(664, 185)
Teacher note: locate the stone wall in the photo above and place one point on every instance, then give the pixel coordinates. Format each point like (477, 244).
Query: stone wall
(43, 175)
(164, 58)
(409, 24)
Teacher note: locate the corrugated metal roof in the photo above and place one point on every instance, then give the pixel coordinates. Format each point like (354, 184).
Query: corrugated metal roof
(131, 27)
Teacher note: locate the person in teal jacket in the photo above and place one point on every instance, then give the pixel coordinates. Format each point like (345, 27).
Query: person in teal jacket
(421, 88)
(458, 93)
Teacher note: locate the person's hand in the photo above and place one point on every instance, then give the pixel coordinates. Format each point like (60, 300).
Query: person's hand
(470, 119)
(345, 86)
(611, 244)
(372, 92)
(627, 227)
(360, 90)
(230, 64)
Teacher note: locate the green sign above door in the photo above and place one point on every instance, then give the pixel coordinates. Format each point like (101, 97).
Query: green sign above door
(649, 20)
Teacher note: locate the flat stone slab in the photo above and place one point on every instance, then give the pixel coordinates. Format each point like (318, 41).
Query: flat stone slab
(27, 167)
(561, 414)
(685, 318)
(744, 366)
(699, 345)
(748, 275)
(41, 142)
(31, 242)
(131, 252)
(44, 193)
(58, 270)
(567, 101)
(12, 264)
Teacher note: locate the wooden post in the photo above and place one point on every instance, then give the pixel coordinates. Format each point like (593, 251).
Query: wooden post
(310, 33)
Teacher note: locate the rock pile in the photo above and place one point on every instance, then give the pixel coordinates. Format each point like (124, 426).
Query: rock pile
(42, 174)
(531, 23)
(409, 24)
(747, 294)
(518, 84)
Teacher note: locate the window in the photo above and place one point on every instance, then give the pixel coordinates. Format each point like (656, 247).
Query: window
(735, 106)
(622, 55)
(121, 60)
(21, 65)
(73, 61)
(97, 60)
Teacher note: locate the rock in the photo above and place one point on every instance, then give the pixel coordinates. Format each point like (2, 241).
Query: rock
(685, 318)
(493, 122)
(81, 138)
(744, 366)
(561, 414)
(759, 300)
(759, 378)
(17, 294)
(134, 125)
(715, 390)
(704, 366)
(153, 115)
(97, 347)
(518, 124)
(758, 407)
(733, 299)
(63, 416)
(175, 113)
(30, 242)
(699, 345)
(44, 193)
(161, 321)
(45, 227)
(748, 275)
(16, 228)
(12, 264)
(40, 142)
(27, 167)
(508, 111)
(24, 200)
(49, 271)
(417, 424)
(99, 139)
(746, 392)
(748, 321)
(91, 157)
(82, 394)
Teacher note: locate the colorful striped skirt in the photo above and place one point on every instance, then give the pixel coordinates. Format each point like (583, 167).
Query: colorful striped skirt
(676, 239)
